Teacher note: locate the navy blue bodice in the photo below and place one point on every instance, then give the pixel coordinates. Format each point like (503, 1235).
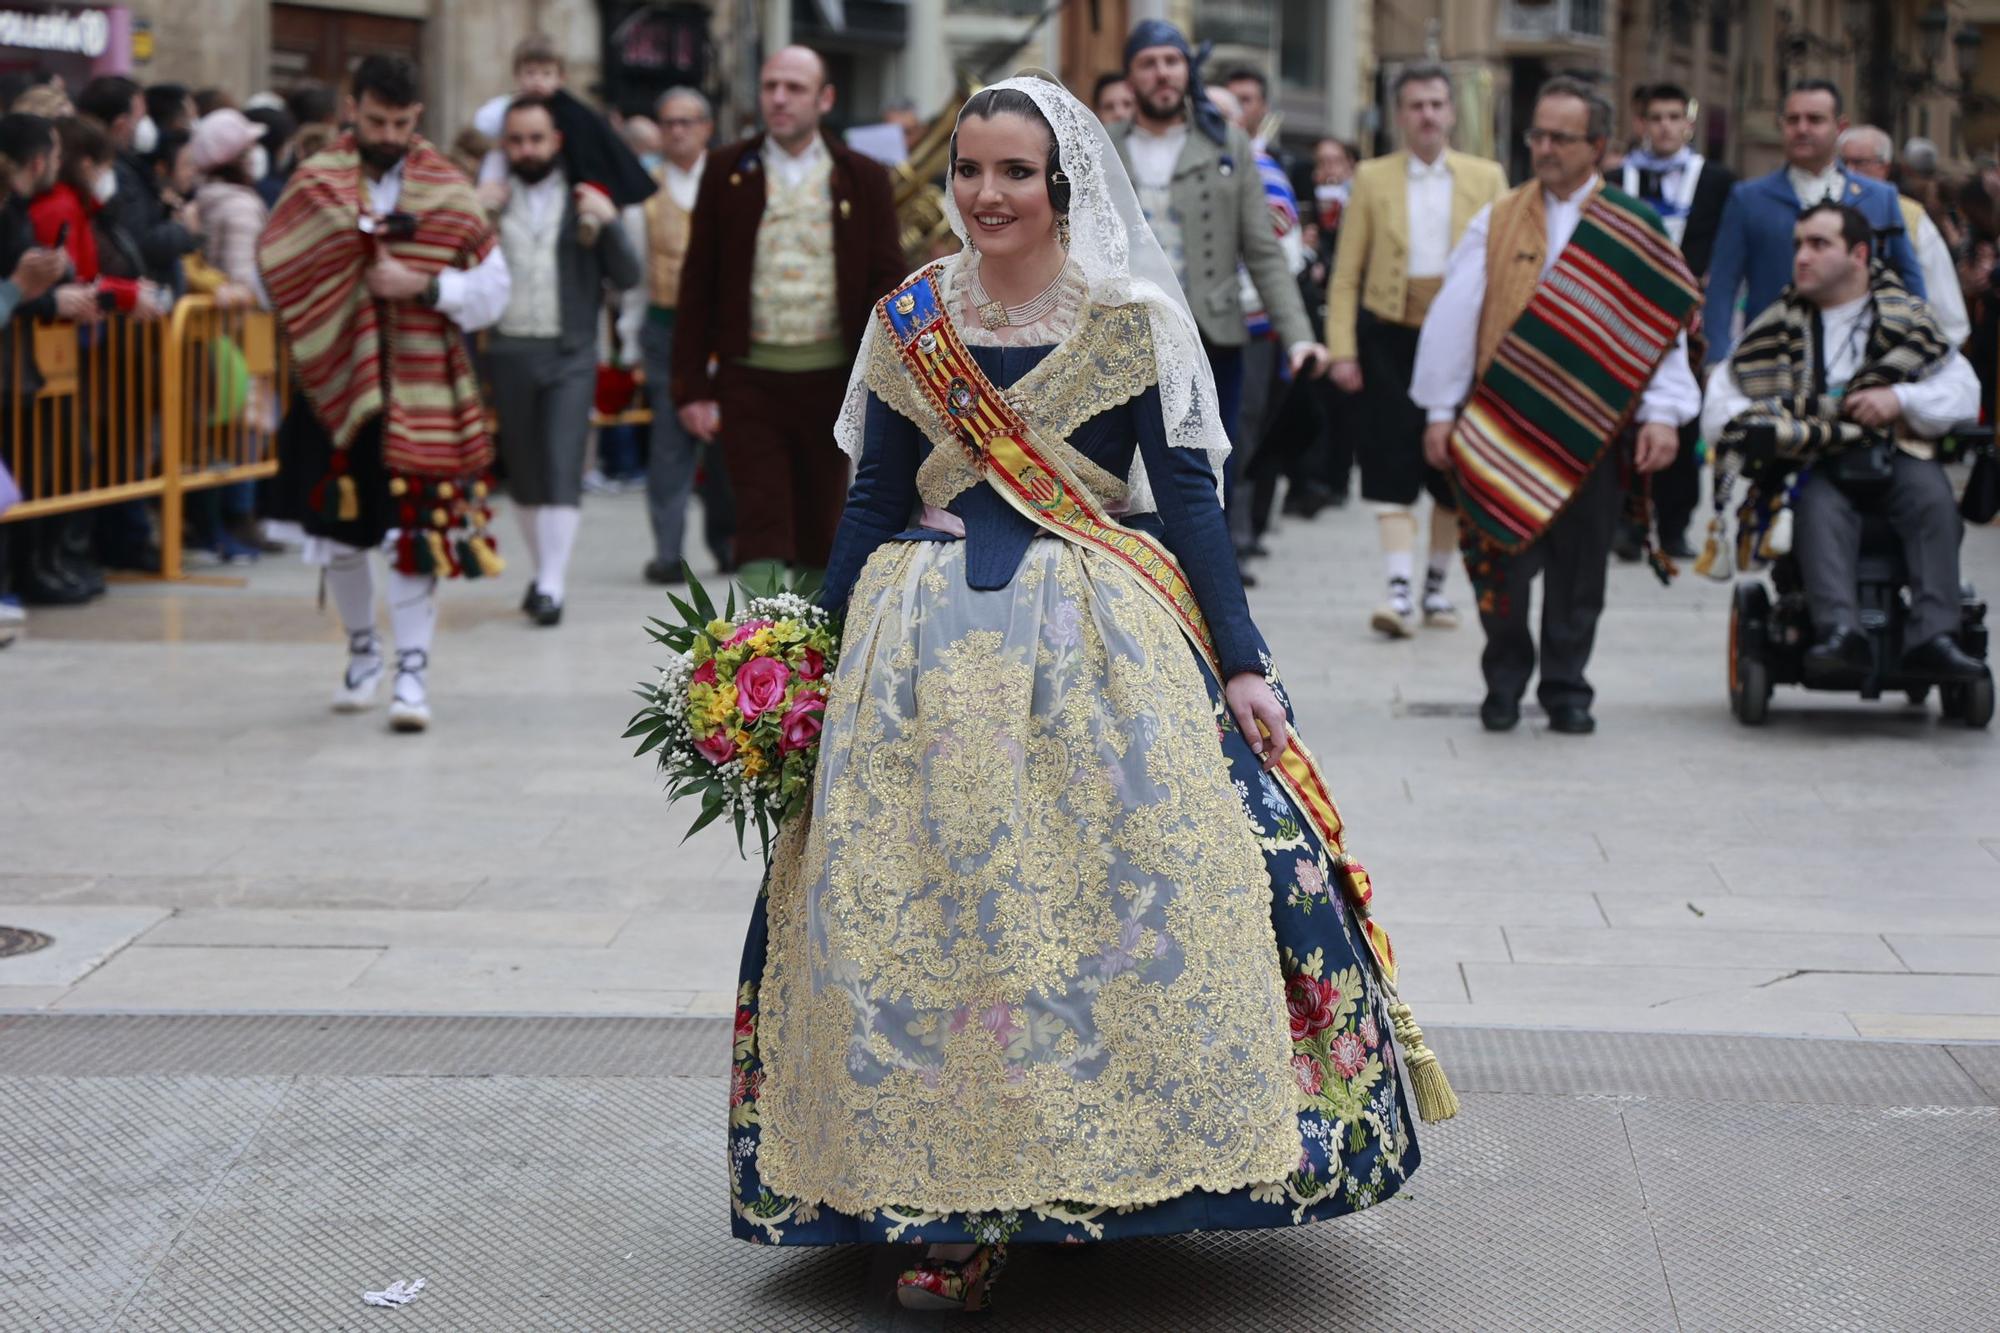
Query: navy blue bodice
(1189, 519)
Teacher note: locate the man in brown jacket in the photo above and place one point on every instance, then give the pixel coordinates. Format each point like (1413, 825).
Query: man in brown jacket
(793, 240)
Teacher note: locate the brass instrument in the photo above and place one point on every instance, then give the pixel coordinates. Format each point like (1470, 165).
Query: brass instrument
(919, 198)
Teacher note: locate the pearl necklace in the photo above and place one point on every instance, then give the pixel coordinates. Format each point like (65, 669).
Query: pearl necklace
(994, 315)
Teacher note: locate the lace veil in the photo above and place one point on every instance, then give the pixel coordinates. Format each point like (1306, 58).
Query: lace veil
(1122, 264)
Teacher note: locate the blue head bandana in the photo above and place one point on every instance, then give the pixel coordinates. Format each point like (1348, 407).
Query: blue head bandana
(1159, 32)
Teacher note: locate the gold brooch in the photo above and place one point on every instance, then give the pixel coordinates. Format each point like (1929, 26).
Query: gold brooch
(993, 315)
(906, 304)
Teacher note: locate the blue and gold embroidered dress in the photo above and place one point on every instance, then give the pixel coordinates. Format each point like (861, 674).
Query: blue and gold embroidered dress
(1052, 959)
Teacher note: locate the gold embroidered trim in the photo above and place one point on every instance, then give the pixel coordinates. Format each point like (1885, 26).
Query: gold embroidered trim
(1106, 363)
(1027, 951)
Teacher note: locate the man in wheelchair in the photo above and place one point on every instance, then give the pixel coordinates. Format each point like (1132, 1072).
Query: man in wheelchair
(1848, 378)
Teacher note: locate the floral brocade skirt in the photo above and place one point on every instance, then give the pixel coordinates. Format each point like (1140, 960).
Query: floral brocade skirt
(1052, 959)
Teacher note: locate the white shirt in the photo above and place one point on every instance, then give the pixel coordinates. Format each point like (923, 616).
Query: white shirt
(1811, 188)
(1448, 347)
(538, 199)
(791, 168)
(1430, 216)
(1941, 289)
(683, 183)
(471, 298)
(1154, 155)
(1931, 406)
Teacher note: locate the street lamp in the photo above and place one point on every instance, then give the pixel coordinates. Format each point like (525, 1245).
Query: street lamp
(1965, 48)
(1931, 25)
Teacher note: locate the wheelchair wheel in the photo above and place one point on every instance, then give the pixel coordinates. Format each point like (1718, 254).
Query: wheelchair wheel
(1977, 697)
(1749, 673)
(1750, 700)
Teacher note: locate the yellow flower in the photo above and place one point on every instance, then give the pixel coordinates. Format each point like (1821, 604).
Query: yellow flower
(720, 630)
(763, 643)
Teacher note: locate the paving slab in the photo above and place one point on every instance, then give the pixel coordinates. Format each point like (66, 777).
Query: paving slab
(80, 939)
(173, 979)
(336, 928)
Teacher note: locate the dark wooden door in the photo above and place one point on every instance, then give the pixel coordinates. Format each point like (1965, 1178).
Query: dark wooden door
(326, 44)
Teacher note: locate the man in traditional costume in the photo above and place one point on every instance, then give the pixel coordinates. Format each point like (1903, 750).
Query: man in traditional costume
(1689, 193)
(1852, 378)
(1404, 214)
(543, 350)
(675, 460)
(1581, 300)
(792, 242)
(379, 260)
(1200, 191)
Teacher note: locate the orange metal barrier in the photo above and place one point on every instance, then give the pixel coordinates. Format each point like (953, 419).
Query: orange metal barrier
(135, 409)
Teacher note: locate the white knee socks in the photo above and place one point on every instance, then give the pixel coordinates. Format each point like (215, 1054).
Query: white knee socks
(351, 581)
(413, 618)
(525, 516)
(555, 538)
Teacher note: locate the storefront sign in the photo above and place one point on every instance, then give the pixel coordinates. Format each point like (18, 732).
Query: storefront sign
(84, 32)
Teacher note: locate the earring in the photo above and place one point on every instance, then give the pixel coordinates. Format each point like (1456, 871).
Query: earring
(1062, 230)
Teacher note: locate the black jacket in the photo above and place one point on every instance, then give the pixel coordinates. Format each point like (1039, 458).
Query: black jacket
(17, 237)
(1711, 194)
(136, 210)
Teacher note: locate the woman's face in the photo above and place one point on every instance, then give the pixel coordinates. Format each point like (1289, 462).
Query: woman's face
(1000, 182)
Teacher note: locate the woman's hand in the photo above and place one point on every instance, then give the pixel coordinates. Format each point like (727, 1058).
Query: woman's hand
(1259, 715)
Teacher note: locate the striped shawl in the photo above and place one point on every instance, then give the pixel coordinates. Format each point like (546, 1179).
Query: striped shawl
(357, 357)
(1774, 365)
(1569, 372)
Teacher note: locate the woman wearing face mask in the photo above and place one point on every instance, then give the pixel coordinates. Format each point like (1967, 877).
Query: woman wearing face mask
(70, 209)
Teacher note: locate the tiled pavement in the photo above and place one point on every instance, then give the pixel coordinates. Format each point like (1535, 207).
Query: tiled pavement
(179, 810)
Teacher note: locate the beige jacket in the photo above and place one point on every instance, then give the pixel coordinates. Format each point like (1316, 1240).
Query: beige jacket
(1371, 267)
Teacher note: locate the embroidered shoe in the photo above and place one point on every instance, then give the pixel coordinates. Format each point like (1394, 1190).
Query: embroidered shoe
(362, 682)
(944, 1284)
(410, 709)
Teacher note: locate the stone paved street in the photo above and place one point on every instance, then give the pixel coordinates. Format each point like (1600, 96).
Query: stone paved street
(200, 834)
(328, 1008)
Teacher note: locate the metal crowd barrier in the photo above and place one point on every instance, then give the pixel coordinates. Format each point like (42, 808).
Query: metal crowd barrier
(133, 409)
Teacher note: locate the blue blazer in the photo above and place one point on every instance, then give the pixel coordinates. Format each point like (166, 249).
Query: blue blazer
(1189, 518)
(1753, 246)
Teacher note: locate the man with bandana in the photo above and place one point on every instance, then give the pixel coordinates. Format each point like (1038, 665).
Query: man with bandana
(1197, 180)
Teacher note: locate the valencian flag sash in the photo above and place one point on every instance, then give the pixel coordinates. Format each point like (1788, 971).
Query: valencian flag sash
(1569, 373)
(1038, 484)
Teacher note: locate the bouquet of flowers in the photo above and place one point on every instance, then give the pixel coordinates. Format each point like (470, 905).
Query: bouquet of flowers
(735, 714)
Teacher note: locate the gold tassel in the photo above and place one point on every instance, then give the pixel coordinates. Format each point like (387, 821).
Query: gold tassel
(350, 502)
(1714, 562)
(1435, 1099)
(490, 563)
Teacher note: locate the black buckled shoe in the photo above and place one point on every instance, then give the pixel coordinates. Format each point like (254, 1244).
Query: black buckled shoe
(544, 610)
(1498, 714)
(1941, 658)
(1571, 719)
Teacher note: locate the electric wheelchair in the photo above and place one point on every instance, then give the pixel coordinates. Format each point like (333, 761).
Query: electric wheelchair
(1770, 625)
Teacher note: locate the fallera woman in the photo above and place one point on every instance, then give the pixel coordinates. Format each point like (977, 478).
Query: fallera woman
(1069, 948)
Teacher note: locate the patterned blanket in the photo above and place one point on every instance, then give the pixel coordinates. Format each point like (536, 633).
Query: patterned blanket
(1569, 373)
(357, 357)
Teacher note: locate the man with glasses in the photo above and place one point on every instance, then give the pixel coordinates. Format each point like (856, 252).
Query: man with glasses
(1866, 151)
(1404, 214)
(674, 457)
(1581, 299)
(1753, 246)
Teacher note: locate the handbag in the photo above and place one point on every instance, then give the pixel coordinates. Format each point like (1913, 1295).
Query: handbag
(1981, 500)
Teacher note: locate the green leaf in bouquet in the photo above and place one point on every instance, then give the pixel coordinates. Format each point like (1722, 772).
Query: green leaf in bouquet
(650, 742)
(711, 810)
(702, 601)
(689, 613)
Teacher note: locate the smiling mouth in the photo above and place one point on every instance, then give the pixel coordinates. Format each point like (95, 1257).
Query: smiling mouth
(993, 221)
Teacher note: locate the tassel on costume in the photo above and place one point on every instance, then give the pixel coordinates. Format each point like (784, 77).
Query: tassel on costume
(1778, 536)
(1435, 1099)
(349, 505)
(486, 555)
(1714, 562)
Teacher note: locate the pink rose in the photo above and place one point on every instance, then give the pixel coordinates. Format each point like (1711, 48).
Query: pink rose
(760, 686)
(748, 628)
(800, 729)
(705, 673)
(718, 749)
(1305, 1070)
(814, 665)
(1370, 1033)
(1350, 1057)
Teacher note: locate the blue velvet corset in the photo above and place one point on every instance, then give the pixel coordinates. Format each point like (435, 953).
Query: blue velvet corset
(1188, 519)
